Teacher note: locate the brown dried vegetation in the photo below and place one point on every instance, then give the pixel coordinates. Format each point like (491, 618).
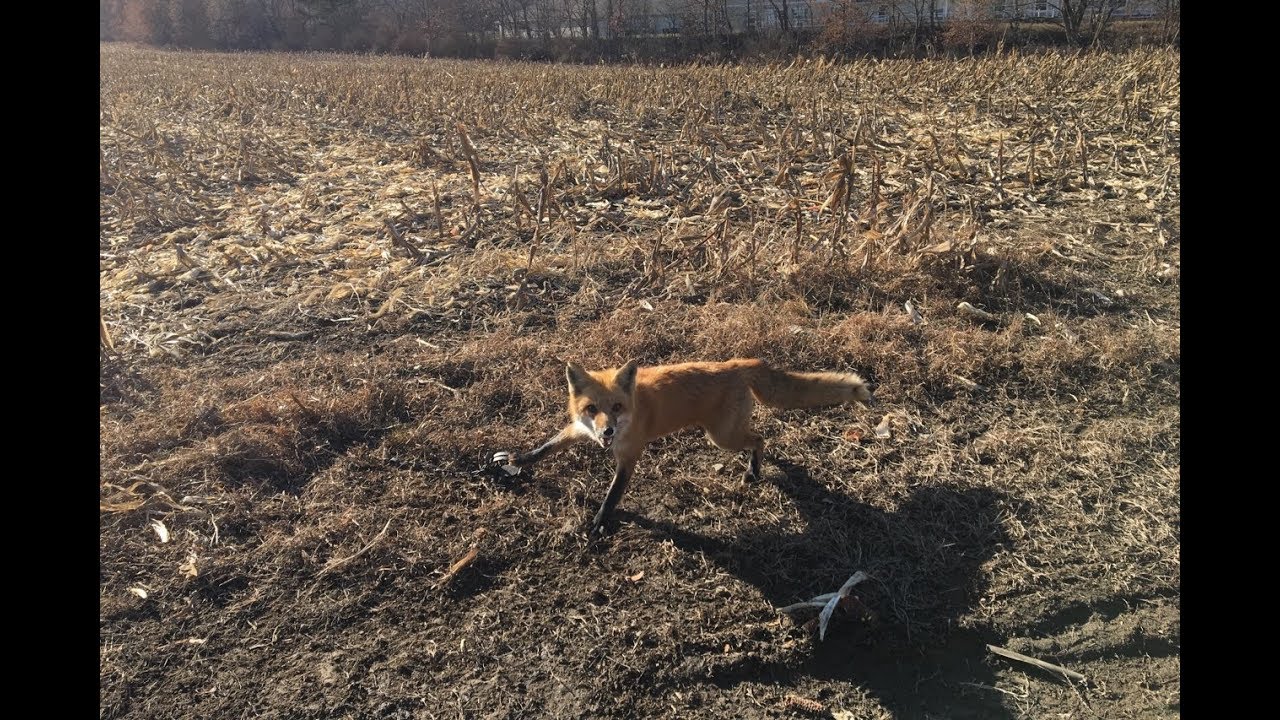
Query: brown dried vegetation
(334, 285)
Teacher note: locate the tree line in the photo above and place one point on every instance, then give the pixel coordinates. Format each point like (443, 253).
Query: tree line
(627, 29)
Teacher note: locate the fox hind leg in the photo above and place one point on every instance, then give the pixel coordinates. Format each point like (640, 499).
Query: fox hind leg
(740, 437)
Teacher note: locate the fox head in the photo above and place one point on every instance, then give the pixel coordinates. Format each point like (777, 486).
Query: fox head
(601, 402)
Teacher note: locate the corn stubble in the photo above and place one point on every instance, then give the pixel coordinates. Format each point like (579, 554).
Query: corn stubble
(329, 285)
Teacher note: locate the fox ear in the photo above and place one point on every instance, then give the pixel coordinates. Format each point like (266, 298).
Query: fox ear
(577, 377)
(626, 377)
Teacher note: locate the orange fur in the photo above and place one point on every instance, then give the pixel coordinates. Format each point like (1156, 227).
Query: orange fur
(624, 409)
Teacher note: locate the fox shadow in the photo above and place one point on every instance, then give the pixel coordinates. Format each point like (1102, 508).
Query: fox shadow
(924, 558)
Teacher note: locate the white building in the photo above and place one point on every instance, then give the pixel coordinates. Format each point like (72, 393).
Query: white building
(1048, 9)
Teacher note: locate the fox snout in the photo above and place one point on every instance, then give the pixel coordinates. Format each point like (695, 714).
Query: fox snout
(603, 430)
(606, 436)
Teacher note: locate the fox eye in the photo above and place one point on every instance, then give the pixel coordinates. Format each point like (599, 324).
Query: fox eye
(593, 410)
(617, 407)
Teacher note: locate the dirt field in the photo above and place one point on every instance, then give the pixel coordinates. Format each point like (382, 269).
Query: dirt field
(332, 286)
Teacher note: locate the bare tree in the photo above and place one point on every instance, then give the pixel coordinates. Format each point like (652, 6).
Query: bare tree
(1084, 20)
(782, 11)
(924, 14)
(1171, 20)
(969, 23)
(588, 18)
(621, 18)
(159, 21)
(701, 18)
(847, 24)
(553, 17)
(519, 17)
(716, 17)
(110, 15)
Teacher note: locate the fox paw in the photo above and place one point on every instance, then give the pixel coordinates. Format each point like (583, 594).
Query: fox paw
(505, 462)
(596, 529)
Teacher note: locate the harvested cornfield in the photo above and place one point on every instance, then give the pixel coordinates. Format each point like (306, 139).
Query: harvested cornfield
(333, 286)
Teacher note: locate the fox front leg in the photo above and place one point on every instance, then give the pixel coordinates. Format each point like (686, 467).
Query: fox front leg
(568, 436)
(621, 476)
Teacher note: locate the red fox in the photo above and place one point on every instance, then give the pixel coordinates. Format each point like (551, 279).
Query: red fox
(623, 410)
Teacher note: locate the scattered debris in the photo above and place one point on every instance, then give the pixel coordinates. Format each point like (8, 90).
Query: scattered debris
(1099, 296)
(286, 335)
(882, 430)
(797, 702)
(399, 239)
(104, 338)
(461, 563)
(188, 568)
(915, 314)
(162, 532)
(976, 313)
(968, 384)
(828, 602)
(1070, 674)
(458, 566)
(335, 564)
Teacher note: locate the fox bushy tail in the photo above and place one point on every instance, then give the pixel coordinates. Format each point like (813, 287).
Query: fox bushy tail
(791, 390)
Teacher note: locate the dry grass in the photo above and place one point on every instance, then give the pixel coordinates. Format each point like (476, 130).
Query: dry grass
(333, 285)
